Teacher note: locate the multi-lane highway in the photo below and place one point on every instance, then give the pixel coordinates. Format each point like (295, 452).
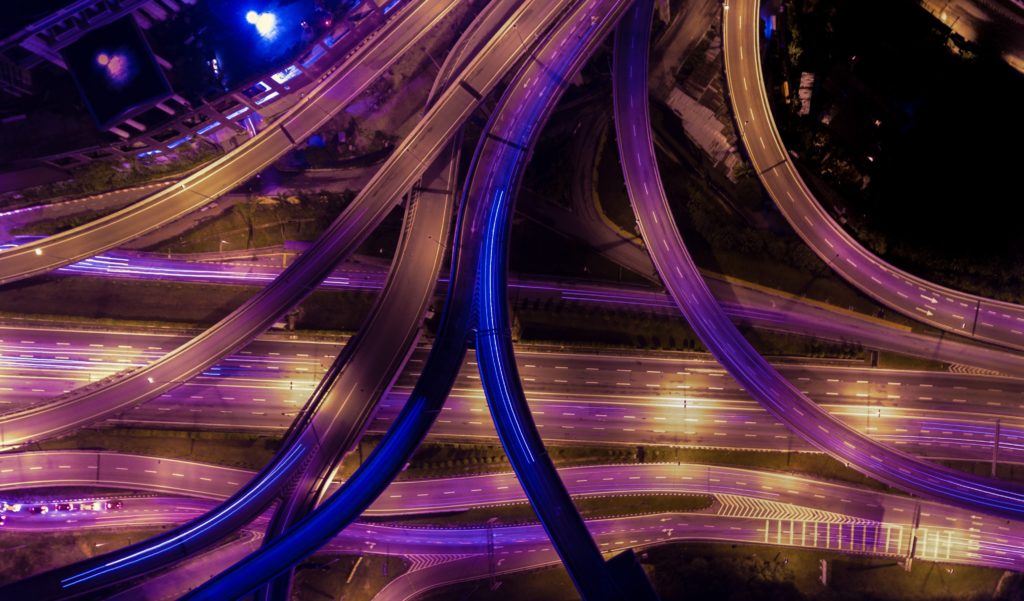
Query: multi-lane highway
(951, 310)
(792, 506)
(747, 304)
(618, 397)
(774, 392)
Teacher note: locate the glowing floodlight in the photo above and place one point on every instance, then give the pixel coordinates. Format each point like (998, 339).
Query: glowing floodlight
(116, 65)
(266, 23)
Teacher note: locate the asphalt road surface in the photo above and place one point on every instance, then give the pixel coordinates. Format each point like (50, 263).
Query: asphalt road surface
(615, 397)
(770, 506)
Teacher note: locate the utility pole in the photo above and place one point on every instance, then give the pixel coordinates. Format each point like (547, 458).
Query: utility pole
(995, 449)
(686, 437)
(789, 446)
(492, 567)
(913, 538)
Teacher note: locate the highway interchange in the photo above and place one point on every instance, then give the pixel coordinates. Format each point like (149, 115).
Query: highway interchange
(263, 387)
(684, 281)
(54, 380)
(395, 177)
(753, 506)
(744, 303)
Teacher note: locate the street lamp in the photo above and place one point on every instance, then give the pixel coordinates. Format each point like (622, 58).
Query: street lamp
(151, 380)
(265, 23)
(39, 252)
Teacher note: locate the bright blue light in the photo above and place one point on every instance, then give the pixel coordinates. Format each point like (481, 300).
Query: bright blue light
(209, 127)
(266, 23)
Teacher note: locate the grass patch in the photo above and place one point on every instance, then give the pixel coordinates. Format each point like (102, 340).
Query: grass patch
(87, 323)
(262, 221)
(170, 302)
(104, 176)
(537, 585)
(49, 227)
(1011, 472)
(28, 553)
(777, 344)
(617, 207)
(101, 298)
(814, 465)
(688, 571)
(536, 249)
(443, 459)
(887, 360)
(560, 321)
(348, 577)
(589, 508)
(232, 449)
(707, 570)
(610, 186)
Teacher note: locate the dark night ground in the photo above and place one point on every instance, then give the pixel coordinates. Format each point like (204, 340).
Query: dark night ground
(945, 186)
(724, 572)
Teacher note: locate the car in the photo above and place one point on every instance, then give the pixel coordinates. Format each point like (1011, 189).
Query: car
(39, 509)
(63, 507)
(115, 504)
